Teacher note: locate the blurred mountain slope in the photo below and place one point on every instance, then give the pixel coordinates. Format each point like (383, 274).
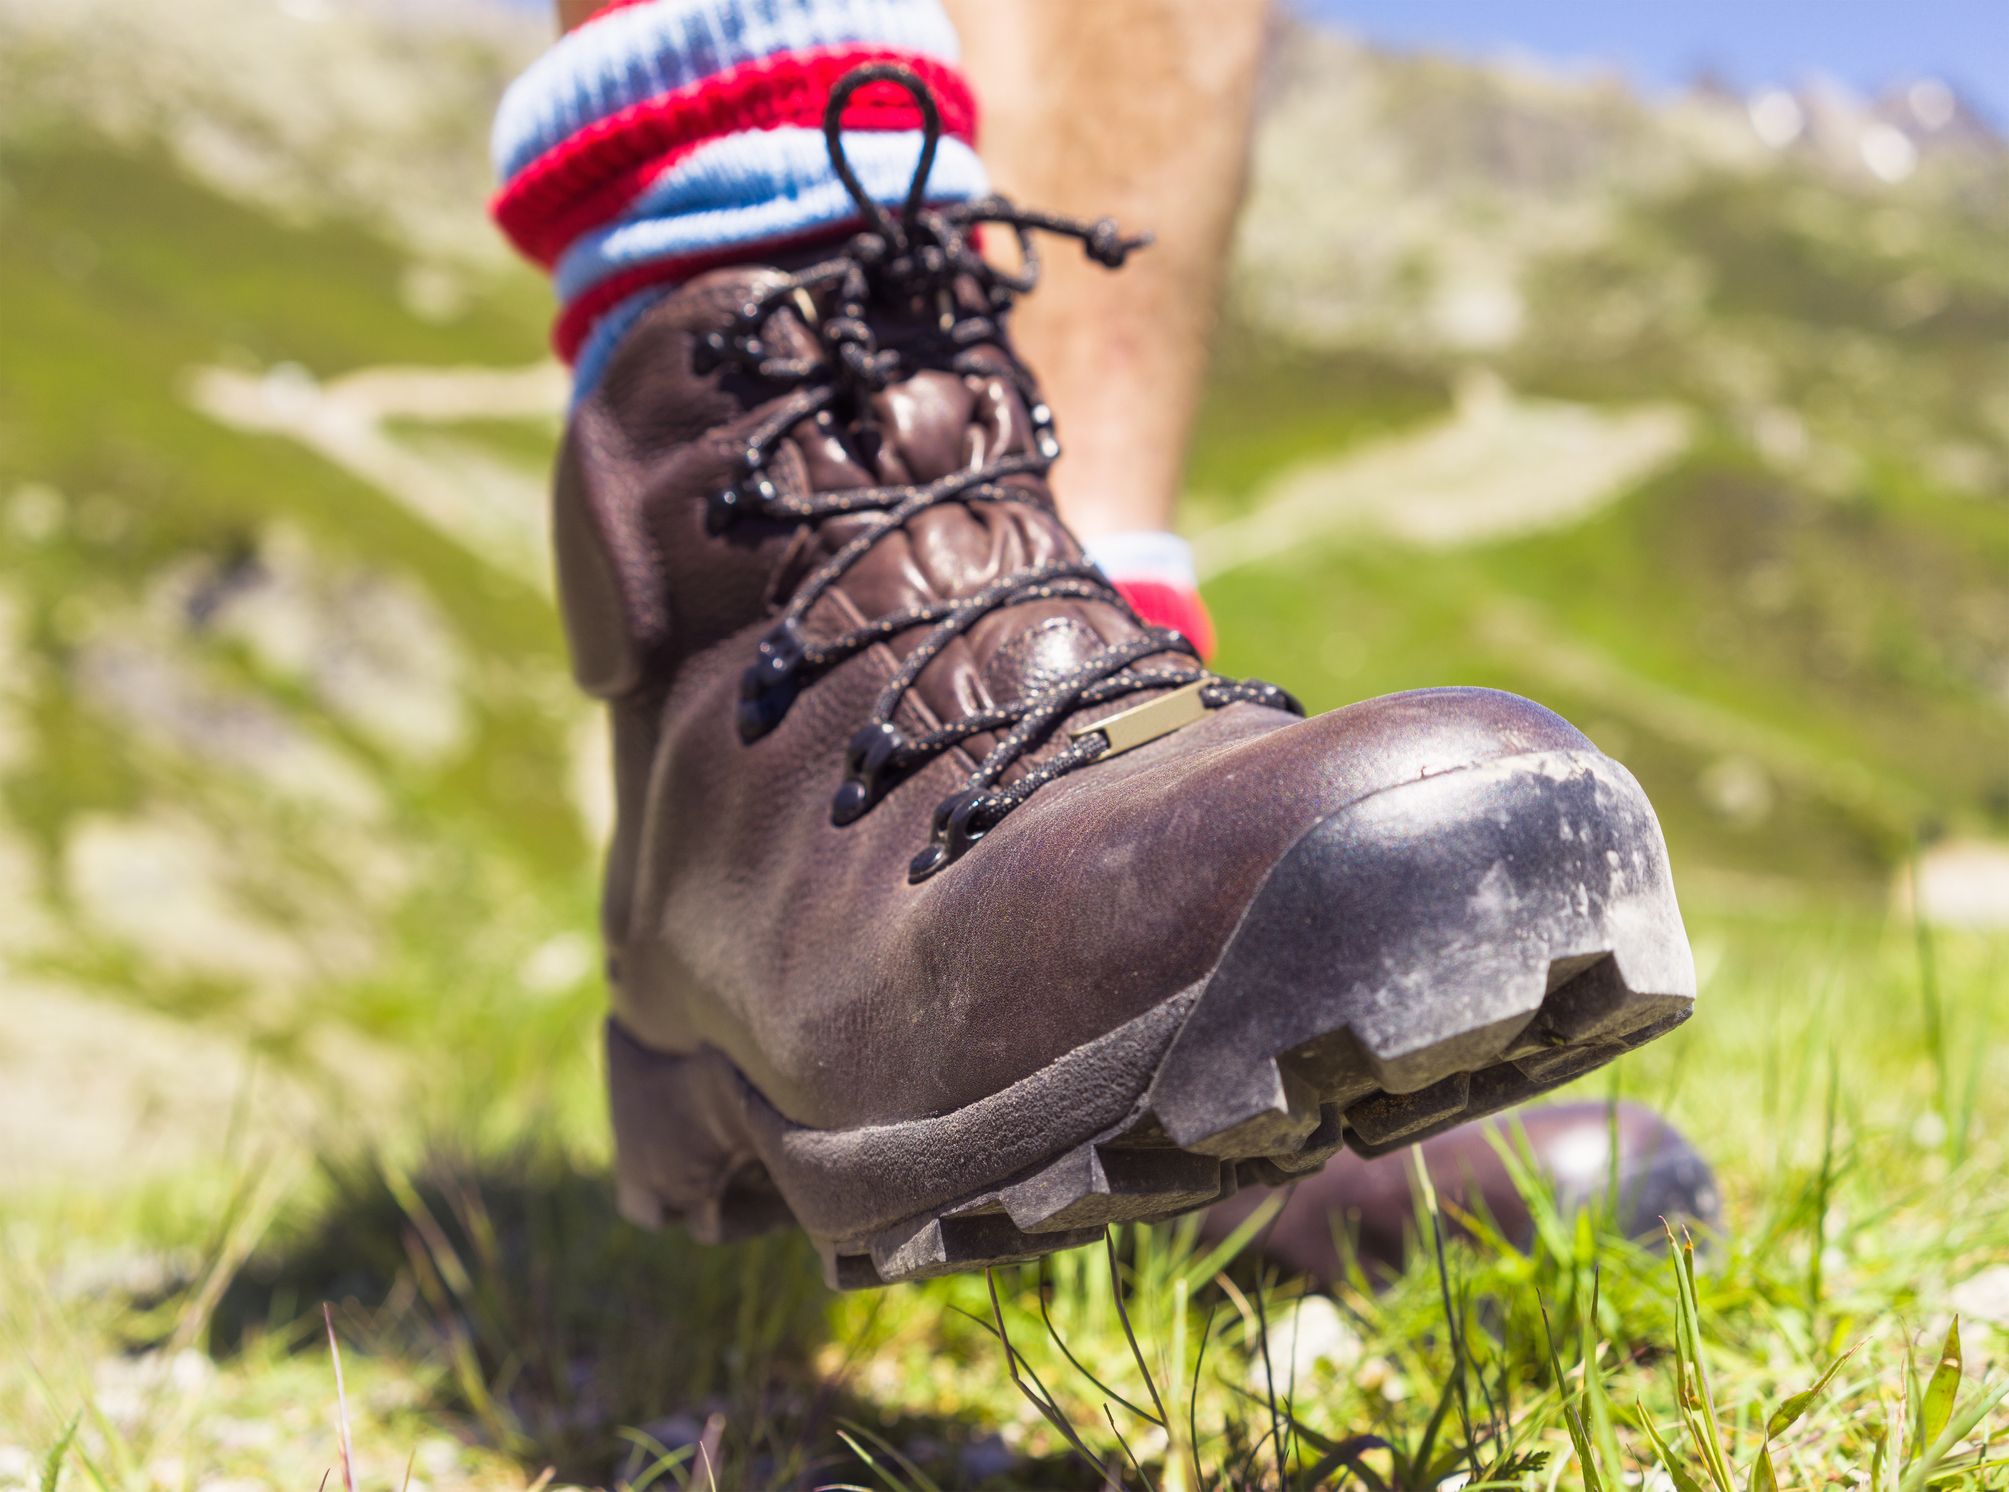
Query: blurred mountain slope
(1798, 630)
(313, 110)
(273, 745)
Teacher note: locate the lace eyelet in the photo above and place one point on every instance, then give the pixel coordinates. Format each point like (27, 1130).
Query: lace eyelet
(851, 804)
(722, 509)
(1043, 439)
(955, 831)
(728, 505)
(770, 683)
(868, 761)
(956, 821)
(709, 354)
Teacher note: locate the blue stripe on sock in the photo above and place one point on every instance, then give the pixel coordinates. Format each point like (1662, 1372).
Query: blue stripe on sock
(760, 185)
(646, 50)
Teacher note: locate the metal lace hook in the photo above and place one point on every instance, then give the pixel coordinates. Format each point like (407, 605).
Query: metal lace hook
(931, 134)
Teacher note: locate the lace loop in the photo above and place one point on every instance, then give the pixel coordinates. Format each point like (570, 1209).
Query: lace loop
(931, 135)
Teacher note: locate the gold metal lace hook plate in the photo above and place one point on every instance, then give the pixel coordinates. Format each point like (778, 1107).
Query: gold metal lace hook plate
(1148, 721)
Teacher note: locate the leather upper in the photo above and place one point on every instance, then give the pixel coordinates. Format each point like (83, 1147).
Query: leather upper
(740, 916)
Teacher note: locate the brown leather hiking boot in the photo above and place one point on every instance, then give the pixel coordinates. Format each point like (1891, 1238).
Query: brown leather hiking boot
(953, 913)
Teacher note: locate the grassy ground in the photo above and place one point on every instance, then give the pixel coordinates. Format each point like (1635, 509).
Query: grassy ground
(349, 1059)
(495, 1320)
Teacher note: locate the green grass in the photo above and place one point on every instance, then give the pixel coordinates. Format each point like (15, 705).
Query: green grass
(482, 1291)
(1864, 702)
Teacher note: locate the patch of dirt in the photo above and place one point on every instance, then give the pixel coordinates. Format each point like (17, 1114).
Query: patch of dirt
(94, 1090)
(492, 509)
(1962, 883)
(1499, 466)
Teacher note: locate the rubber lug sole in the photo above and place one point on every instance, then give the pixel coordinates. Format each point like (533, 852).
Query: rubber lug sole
(1428, 955)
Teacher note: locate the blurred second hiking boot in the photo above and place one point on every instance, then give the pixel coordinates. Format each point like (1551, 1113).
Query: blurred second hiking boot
(1588, 1155)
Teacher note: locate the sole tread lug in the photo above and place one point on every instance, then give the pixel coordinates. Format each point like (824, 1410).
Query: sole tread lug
(1273, 1112)
(1394, 1117)
(1319, 1147)
(954, 1243)
(1097, 1184)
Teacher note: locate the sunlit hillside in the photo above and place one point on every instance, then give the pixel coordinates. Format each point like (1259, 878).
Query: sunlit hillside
(1719, 395)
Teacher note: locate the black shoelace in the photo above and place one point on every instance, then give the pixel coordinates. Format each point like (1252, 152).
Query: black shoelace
(904, 261)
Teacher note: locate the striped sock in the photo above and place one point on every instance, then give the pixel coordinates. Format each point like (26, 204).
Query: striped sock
(1154, 571)
(664, 138)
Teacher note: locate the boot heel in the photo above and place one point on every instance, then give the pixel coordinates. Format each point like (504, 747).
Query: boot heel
(681, 1148)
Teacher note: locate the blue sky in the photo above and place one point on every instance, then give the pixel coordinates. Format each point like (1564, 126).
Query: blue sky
(1866, 43)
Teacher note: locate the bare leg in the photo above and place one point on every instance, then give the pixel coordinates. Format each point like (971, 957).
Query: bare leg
(1139, 109)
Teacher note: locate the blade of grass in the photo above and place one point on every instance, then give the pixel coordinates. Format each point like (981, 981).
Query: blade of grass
(1788, 1413)
(1130, 1336)
(1178, 1455)
(1928, 991)
(714, 1431)
(1200, 1482)
(1203, 1267)
(1065, 1351)
(1699, 1406)
(1269, 1384)
(666, 1463)
(1824, 1183)
(1937, 1407)
(1677, 1473)
(1603, 1433)
(1041, 1400)
(900, 1458)
(113, 1443)
(1417, 1465)
(1964, 1419)
(872, 1462)
(1427, 1192)
(1346, 1453)
(341, 1399)
(1128, 1454)
(1572, 1420)
(52, 1465)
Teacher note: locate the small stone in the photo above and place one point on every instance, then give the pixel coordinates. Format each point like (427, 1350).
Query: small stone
(985, 1459)
(189, 1370)
(1983, 1296)
(1309, 1336)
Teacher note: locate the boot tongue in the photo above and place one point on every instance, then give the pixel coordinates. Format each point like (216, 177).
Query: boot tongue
(931, 425)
